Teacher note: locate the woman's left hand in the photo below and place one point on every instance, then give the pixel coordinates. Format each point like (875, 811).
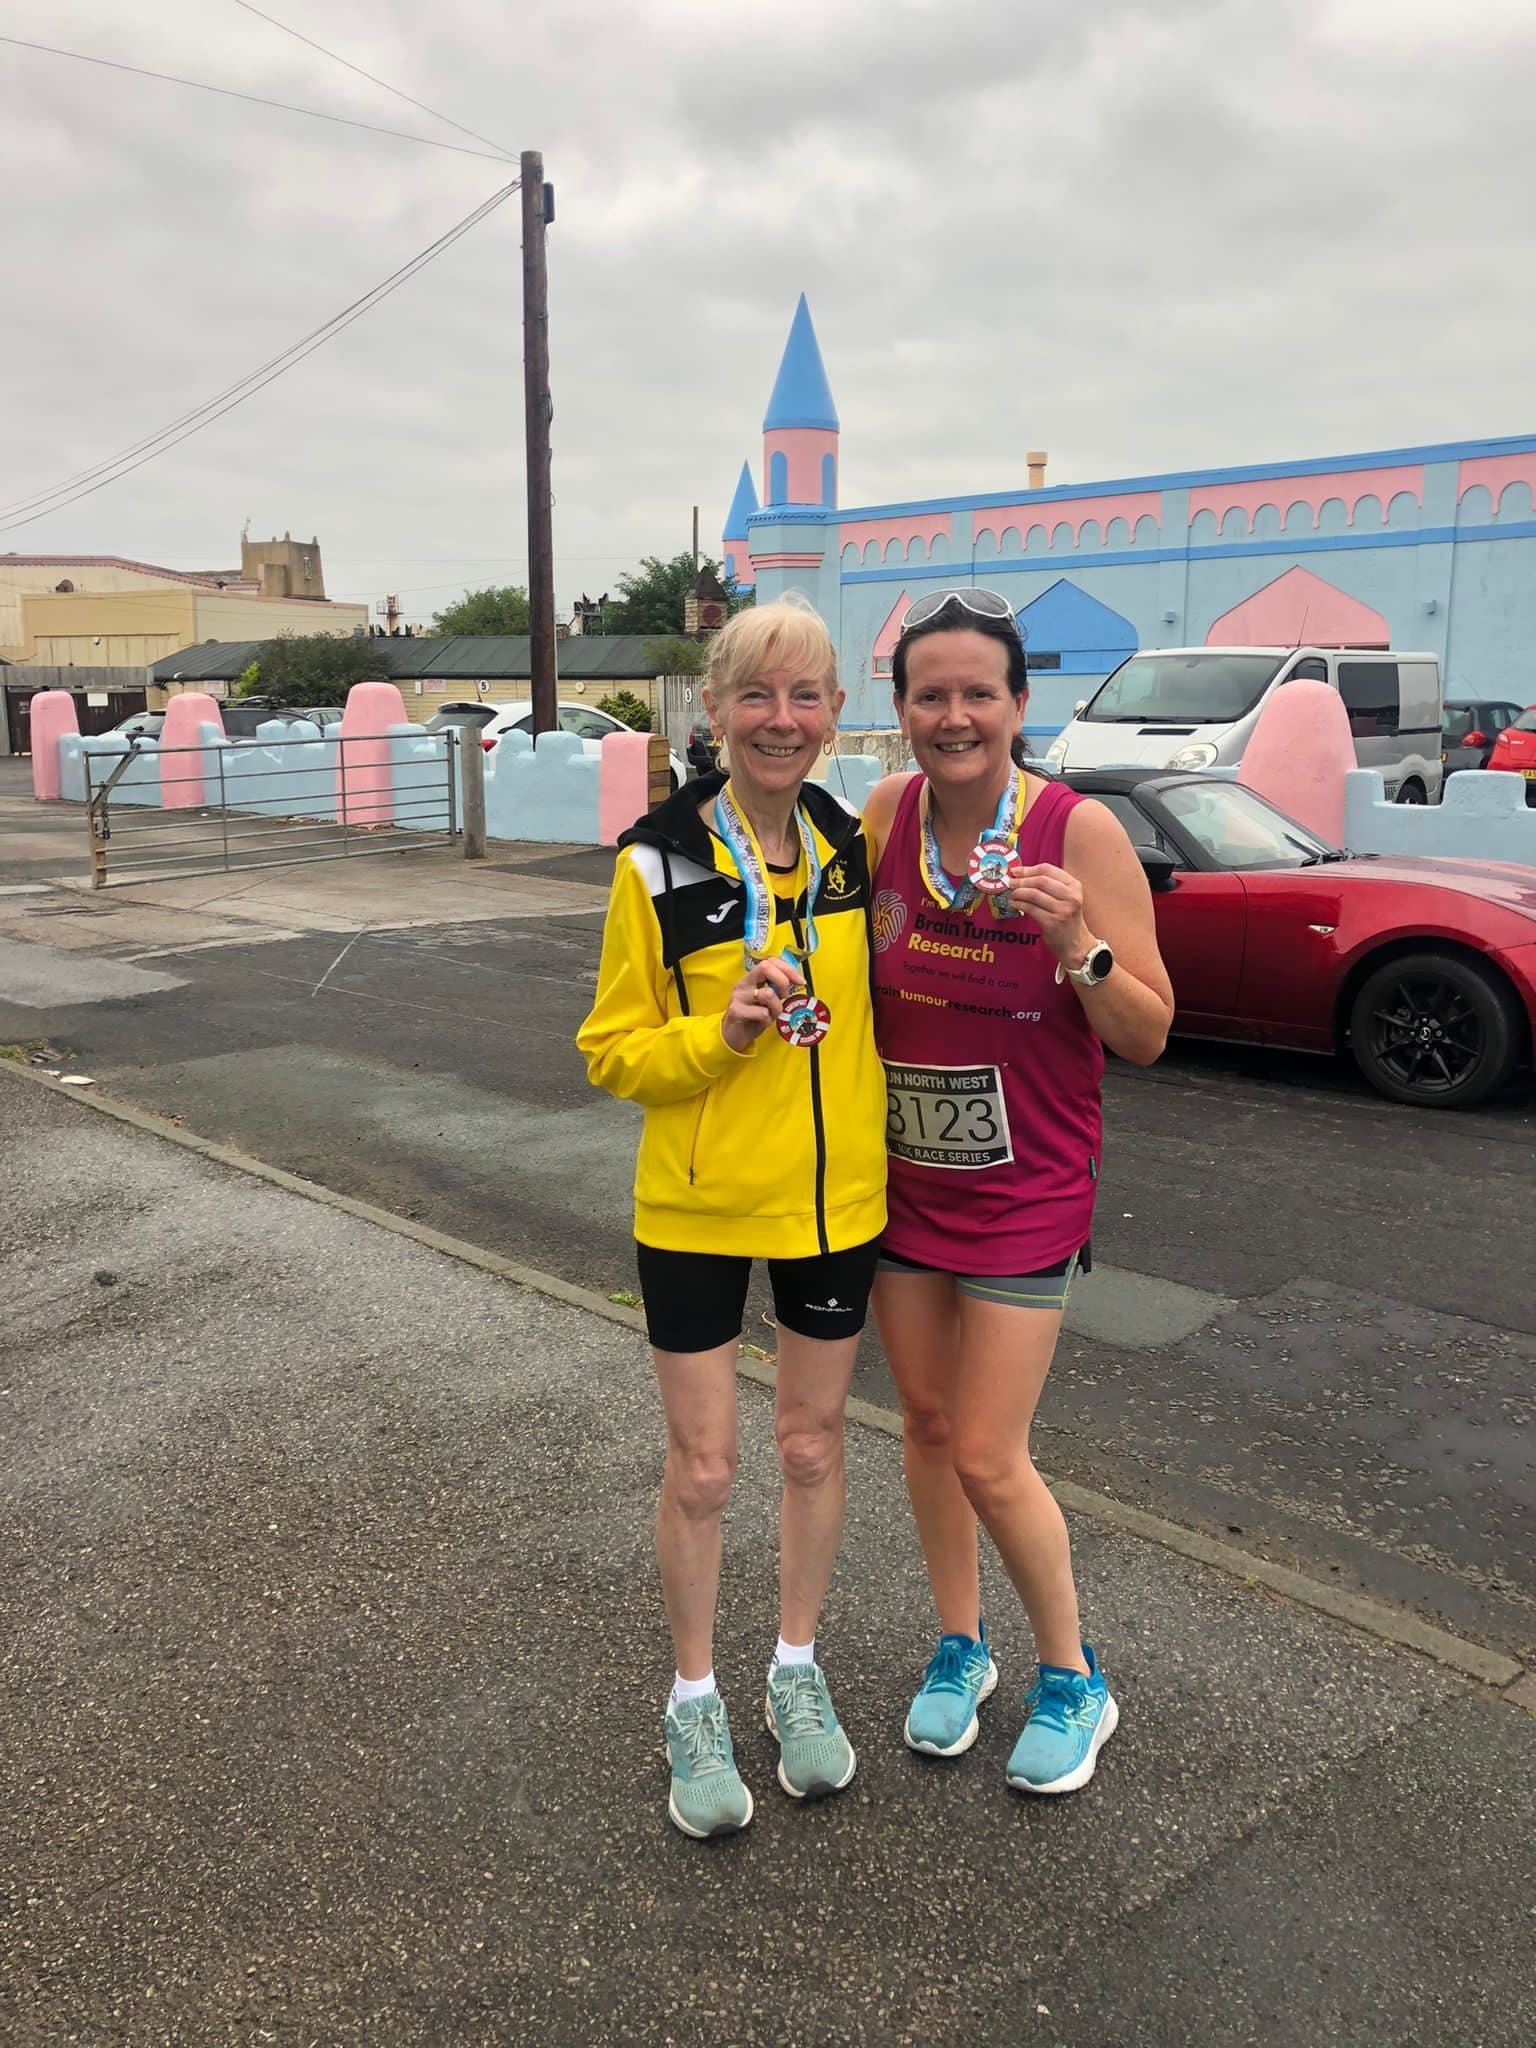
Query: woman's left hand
(1054, 899)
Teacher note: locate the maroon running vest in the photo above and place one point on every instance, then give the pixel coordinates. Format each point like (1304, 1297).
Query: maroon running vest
(992, 1068)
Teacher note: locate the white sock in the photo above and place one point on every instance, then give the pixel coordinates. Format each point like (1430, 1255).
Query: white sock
(793, 1653)
(690, 1688)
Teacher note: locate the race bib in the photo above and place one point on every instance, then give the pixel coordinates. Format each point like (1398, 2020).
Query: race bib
(946, 1116)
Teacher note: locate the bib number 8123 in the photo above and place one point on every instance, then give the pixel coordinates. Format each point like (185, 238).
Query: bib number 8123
(946, 1116)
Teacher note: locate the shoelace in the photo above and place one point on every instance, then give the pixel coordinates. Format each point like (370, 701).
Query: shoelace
(1059, 1701)
(707, 1742)
(946, 1667)
(797, 1704)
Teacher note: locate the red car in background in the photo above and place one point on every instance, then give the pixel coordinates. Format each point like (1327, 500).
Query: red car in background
(1422, 971)
(1515, 750)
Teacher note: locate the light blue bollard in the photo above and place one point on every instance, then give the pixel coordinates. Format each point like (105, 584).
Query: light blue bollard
(547, 793)
(1482, 816)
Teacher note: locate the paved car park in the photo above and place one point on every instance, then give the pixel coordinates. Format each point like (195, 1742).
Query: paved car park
(1311, 1330)
(332, 1682)
(289, 1621)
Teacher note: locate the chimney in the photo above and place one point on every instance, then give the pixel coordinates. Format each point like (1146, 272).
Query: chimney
(1037, 459)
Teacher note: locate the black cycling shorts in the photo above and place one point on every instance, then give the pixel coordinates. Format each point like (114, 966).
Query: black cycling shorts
(694, 1301)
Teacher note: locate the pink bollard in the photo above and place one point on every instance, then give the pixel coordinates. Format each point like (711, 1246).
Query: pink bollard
(623, 784)
(365, 792)
(1299, 755)
(182, 776)
(52, 716)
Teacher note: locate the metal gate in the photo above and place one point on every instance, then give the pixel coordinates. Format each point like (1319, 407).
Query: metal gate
(679, 707)
(276, 803)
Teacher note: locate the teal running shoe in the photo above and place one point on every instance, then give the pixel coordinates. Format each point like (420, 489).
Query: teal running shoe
(815, 1756)
(942, 1719)
(1069, 1720)
(707, 1797)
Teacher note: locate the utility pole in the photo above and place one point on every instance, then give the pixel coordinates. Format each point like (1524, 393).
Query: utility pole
(695, 540)
(538, 211)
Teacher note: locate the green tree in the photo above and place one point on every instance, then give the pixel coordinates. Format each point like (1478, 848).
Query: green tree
(499, 608)
(629, 709)
(651, 597)
(312, 668)
(676, 656)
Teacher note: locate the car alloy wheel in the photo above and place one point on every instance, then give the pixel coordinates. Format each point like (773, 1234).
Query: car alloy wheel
(1434, 1030)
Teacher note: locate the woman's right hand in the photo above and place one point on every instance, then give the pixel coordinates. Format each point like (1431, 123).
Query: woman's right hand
(755, 1002)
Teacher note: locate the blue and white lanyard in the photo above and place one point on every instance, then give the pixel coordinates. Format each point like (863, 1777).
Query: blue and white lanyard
(741, 844)
(959, 896)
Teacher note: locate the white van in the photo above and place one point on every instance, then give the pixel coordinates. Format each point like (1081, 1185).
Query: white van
(1195, 707)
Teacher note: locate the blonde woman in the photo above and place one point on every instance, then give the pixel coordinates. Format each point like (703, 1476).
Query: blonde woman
(733, 1003)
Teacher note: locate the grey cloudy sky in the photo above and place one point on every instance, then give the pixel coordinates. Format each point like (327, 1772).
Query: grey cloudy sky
(1144, 235)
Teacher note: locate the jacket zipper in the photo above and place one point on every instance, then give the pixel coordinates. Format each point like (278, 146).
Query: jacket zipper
(698, 1132)
(818, 1123)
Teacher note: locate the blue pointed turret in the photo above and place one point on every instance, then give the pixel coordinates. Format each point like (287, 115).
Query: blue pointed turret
(743, 505)
(802, 397)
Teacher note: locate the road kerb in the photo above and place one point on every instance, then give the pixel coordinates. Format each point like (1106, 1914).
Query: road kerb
(1455, 1653)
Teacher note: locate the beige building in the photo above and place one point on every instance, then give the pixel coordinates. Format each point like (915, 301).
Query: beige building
(103, 611)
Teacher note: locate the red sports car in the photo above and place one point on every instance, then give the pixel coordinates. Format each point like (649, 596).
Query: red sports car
(1515, 751)
(1424, 971)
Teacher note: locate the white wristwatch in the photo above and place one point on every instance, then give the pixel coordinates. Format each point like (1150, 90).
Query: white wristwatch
(1096, 967)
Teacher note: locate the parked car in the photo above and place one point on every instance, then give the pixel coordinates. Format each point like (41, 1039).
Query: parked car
(1468, 729)
(461, 717)
(244, 719)
(590, 726)
(1514, 751)
(1196, 707)
(703, 751)
(143, 725)
(1423, 971)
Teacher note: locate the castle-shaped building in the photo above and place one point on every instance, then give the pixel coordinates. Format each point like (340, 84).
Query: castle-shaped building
(1431, 549)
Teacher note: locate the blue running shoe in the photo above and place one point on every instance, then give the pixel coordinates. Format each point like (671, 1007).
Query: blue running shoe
(707, 1797)
(942, 1719)
(815, 1756)
(1069, 1720)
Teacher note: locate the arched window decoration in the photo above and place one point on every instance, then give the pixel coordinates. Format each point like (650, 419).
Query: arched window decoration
(66, 585)
(778, 479)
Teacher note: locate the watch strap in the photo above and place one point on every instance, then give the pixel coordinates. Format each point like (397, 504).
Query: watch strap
(1086, 976)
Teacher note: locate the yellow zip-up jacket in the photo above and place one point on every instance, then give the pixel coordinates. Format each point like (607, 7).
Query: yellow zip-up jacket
(778, 1152)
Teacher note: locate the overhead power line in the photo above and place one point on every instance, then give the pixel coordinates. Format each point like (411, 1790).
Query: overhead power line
(384, 83)
(88, 481)
(38, 498)
(255, 99)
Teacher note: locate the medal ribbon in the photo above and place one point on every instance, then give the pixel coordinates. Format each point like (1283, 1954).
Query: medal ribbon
(741, 844)
(960, 896)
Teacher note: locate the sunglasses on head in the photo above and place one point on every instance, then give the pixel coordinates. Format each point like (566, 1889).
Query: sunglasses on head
(981, 604)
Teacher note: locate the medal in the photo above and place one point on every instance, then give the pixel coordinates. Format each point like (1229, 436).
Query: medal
(989, 863)
(803, 1019)
(990, 859)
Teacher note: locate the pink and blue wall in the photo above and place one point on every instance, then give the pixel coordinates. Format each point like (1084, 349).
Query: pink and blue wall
(1429, 549)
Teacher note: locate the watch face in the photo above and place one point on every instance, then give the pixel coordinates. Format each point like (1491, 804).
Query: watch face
(1099, 962)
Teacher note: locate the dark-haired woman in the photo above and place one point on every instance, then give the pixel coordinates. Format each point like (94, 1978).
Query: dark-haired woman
(1014, 940)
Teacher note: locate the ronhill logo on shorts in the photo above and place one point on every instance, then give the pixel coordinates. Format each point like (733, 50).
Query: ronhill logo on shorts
(889, 918)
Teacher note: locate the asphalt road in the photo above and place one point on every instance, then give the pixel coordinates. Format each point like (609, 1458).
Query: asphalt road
(333, 1676)
(1316, 1336)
